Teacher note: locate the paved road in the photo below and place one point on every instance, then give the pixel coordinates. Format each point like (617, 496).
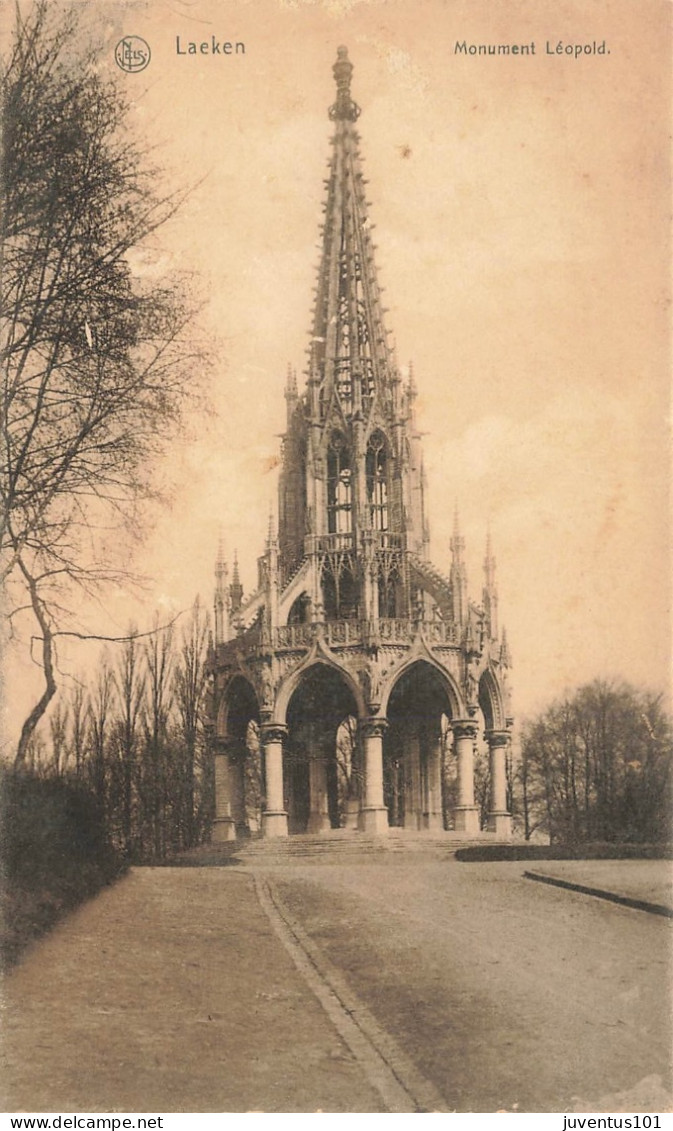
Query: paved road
(171, 992)
(509, 995)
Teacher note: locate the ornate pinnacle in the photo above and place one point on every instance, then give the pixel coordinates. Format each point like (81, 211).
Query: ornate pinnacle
(235, 589)
(271, 531)
(412, 390)
(220, 562)
(344, 109)
(489, 561)
(457, 542)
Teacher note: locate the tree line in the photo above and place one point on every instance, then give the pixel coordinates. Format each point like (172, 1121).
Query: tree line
(135, 737)
(596, 766)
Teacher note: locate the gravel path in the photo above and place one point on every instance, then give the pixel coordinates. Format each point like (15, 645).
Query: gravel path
(509, 995)
(171, 992)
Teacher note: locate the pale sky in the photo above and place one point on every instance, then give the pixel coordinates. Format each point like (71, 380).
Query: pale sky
(520, 206)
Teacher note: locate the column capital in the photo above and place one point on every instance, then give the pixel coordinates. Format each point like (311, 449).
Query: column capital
(464, 728)
(373, 727)
(272, 732)
(497, 737)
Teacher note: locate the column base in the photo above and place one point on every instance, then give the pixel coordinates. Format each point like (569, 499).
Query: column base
(352, 814)
(373, 820)
(433, 822)
(223, 830)
(466, 820)
(413, 820)
(501, 825)
(318, 823)
(274, 824)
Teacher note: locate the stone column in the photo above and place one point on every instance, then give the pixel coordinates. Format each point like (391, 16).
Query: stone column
(237, 789)
(224, 828)
(318, 819)
(353, 802)
(432, 808)
(373, 814)
(274, 817)
(413, 805)
(499, 820)
(466, 814)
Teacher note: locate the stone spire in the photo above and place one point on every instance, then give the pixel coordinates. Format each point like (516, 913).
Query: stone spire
(221, 596)
(458, 575)
(235, 589)
(350, 360)
(490, 592)
(272, 574)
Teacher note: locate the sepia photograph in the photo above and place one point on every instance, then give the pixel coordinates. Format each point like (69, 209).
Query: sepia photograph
(336, 559)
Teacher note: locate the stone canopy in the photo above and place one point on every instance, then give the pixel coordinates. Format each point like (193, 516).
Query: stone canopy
(357, 672)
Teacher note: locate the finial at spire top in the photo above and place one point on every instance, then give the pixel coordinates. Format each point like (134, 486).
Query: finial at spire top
(220, 561)
(489, 560)
(344, 109)
(456, 519)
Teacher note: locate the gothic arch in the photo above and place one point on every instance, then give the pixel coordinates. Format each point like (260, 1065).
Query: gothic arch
(458, 709)
(300, 609)
(339, 485)
(377, 469)
(292, 681)
(238, 705)
(322, 700)
(419, 701)
(491, 701)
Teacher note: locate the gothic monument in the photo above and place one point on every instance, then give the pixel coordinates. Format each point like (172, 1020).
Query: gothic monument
(362, 670)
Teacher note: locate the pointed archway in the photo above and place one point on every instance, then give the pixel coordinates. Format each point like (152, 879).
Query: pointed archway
(418, 706)
(238, 770)
(320, 762)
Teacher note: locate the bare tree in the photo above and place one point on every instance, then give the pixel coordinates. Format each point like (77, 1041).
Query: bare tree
(130, 685)
(159, 662)
(101, 706)
(95, 363)
(597, 766)
(190, 683)
(77, 715)
(58, 727)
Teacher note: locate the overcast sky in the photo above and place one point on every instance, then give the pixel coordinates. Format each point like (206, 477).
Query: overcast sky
(520, 206)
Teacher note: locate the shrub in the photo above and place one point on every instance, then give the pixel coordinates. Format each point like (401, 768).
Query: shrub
(55, 854)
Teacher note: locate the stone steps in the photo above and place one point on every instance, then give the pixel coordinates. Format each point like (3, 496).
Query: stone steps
(339, 845)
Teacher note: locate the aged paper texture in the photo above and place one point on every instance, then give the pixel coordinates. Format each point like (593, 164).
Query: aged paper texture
(517, 156)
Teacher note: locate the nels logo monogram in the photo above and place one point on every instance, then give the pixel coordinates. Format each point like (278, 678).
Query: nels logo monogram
(132, 54)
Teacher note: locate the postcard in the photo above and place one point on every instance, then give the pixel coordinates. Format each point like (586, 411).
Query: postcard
(337, 363)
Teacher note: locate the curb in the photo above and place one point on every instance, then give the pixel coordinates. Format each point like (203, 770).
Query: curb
(600, 893)
(403, 1089)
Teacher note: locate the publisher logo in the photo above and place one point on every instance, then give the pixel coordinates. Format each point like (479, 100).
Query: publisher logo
(132, 54)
